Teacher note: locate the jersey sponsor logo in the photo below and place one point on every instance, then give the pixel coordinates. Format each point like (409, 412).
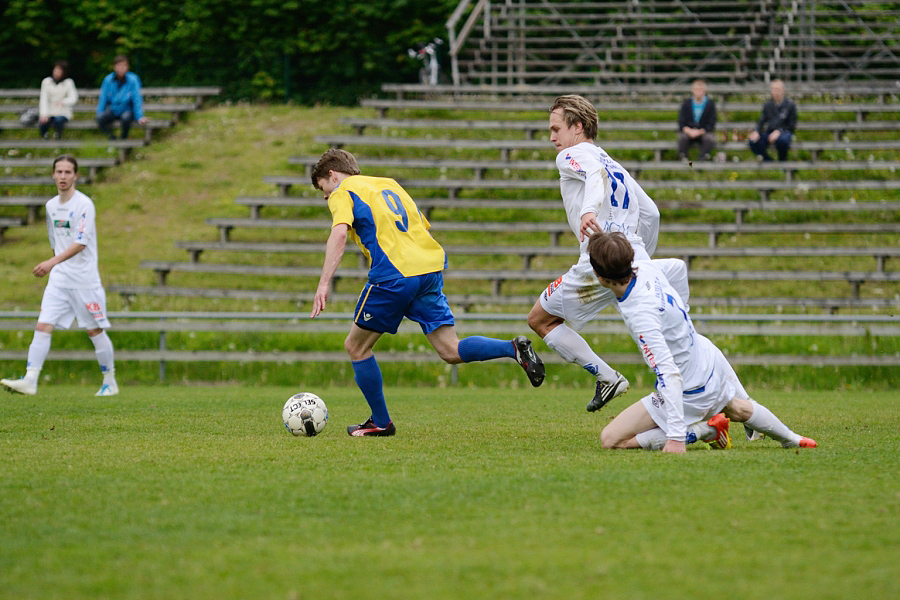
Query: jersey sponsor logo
(95, 309)
(552, 287)
(651, 361)
(574, 164)
(648, 354)
(62, 224)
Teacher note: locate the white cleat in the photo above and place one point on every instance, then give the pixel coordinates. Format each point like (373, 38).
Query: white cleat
(108, 389)
(19, 386)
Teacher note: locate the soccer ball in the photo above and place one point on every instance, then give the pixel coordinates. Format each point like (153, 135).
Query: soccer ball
(305, 414)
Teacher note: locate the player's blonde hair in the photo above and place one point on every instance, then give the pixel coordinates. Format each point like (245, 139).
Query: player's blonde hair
(577, 109)
(611, 256)
(334, 159)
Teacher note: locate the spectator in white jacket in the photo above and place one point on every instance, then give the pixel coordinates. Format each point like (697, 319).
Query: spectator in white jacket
(58, 96)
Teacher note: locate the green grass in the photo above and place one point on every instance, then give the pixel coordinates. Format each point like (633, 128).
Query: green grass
(183, 492)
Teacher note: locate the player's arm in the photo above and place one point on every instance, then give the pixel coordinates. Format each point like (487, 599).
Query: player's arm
(596, 190)
(334, 251)
(669, 383)
(45, 267)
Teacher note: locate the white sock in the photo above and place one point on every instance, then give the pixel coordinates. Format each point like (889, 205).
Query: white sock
(655, 439)
(652, 439)
(704, 432)
(37, 354)
(764, 421)
(566, 342)
(103, 348)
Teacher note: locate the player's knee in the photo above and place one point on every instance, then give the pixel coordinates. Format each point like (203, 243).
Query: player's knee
(609, 439)
(449, 355)
(739, 410)
(542, 322)
(354, 351)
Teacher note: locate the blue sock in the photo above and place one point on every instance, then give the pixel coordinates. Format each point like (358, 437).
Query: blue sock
(479, 347)
(367, 374)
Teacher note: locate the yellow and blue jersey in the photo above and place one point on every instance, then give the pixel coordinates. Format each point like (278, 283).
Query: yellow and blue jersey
(387, 226)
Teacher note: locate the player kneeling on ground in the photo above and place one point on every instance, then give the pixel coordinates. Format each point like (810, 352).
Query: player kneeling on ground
(405, 280)
(694, 381)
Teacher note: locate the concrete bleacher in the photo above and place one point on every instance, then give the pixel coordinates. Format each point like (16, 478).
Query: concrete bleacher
(506, 147)
(497, 277)
(859, 110)
(427, 175)
(455, 176)
(764, 187)
(740, 208)
(529, 128)
(788, 168)
(164, 106)
(870, 90)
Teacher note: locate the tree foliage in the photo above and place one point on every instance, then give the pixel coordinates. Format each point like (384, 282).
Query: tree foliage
(305, 50)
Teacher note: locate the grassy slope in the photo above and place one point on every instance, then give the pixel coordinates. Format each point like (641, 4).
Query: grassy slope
(170, 190)
(200, 493)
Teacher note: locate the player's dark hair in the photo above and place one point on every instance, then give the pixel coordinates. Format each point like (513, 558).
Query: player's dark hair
(334, 159)
(120, 58)
(611, 256)
(67, 158)
(64, 65)
(577, 109)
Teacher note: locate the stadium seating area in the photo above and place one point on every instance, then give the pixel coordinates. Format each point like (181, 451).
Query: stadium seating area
(812, 238)
(25, 158)
(811, 241)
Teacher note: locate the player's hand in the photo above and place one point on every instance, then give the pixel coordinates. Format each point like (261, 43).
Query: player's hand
(42, 269)
(143, 120)
(674, 447)
(754, 135)
(773, 137)
(319, 301)
(588, 225)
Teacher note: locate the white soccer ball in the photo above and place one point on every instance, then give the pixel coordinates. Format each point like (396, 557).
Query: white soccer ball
(305, 414)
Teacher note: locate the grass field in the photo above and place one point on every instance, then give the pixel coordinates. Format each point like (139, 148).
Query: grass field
(198, 492)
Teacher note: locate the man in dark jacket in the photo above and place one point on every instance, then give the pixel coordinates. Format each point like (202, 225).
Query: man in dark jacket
(697, 122)
(776, 124)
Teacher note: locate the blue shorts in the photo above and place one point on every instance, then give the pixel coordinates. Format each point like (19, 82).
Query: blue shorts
(382, 306)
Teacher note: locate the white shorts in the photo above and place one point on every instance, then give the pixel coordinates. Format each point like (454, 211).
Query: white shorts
(578, 300)
(61, 306)
(577, 304)
(702, 403)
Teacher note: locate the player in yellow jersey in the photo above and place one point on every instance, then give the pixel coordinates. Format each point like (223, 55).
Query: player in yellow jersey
(405, 280)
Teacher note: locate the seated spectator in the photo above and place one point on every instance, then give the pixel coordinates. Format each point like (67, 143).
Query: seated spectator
(776, 124)
(697, 122)
(120, 98)
(58, 96)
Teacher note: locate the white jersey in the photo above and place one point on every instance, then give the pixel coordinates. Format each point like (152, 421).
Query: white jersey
(71, 222)
(592, 182)
(660, 325)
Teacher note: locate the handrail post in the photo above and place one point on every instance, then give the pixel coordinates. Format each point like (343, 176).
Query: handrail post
(162, 350)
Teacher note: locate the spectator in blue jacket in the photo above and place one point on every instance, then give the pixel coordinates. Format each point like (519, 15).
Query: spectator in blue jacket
(697, 122)
(120, 98)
